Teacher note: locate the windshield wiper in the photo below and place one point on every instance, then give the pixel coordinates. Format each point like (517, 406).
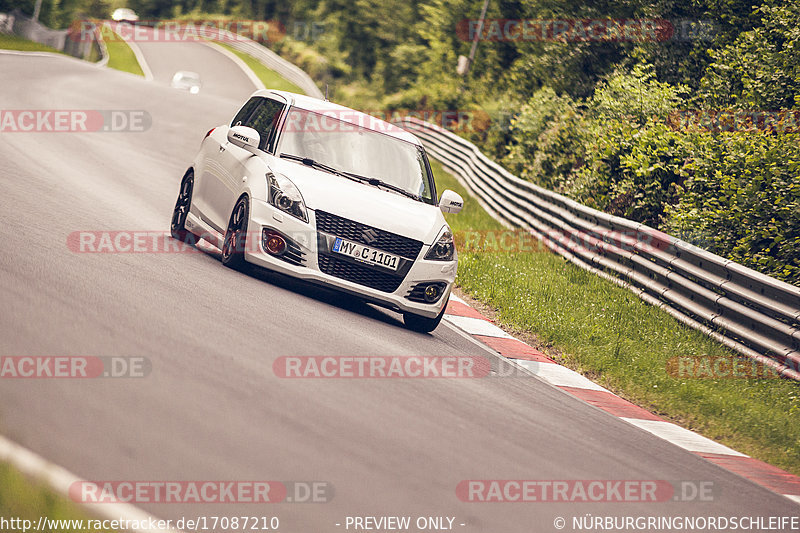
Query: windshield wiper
(372, 181)
(379, 183)
(311, 163)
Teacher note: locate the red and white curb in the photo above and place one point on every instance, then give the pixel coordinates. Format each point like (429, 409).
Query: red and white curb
(469, 320)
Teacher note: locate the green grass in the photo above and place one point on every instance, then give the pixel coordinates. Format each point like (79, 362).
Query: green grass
(15, 42)
(120, 55)
(270, 78)
(607, 333)
(27, 500)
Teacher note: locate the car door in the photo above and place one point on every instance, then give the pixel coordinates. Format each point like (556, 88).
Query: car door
(210, 171)
(264, 120)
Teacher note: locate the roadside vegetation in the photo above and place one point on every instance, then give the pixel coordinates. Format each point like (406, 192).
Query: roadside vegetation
(28, 500)
(120, 55)
(270, 78)
(14, 42)
(607, 333)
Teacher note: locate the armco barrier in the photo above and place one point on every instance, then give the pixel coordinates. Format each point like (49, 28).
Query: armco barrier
(18, 23)
(754, 314)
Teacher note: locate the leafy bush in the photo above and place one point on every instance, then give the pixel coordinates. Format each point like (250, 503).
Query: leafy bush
(761, 69)
(633, 161)
(743, 201)
(546, 144)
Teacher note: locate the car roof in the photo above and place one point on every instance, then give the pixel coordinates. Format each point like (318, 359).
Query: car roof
(346, 114)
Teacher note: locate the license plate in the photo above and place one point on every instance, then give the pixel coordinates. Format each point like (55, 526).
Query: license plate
(365, 254)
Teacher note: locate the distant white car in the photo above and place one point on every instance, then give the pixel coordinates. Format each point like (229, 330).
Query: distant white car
(124, 14)
(187, 81)
(326, 194)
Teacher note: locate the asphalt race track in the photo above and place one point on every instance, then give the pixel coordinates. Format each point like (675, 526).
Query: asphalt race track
(219, 75)
(212, 407)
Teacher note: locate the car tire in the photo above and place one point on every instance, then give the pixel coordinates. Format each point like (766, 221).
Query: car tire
(421, 323)
(177, 226)
(235, 241)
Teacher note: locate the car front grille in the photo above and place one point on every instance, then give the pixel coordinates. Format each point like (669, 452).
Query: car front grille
(362, 233)
(361, 274)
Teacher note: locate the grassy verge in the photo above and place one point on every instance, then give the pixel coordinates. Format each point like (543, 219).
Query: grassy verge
(14, 42)
(26, 500)
(270, 78)
(120, 55)
(610, 335)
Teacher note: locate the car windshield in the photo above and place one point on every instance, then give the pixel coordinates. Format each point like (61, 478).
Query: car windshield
(354, 149)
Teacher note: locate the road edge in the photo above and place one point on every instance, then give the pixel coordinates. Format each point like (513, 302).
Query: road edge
(469, 320)
(239, 63)
(60, 480)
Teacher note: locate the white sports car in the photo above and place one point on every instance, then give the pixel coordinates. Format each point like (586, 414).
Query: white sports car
(327, 194)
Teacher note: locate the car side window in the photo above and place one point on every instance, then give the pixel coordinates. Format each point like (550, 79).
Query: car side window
(265, 121)
(244, 113)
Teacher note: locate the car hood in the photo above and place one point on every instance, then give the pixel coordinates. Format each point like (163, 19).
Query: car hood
(363, 203)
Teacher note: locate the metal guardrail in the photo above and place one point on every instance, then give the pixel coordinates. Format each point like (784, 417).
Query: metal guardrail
(267, 57)
(18, 23)
(32, 30)
(754, 314)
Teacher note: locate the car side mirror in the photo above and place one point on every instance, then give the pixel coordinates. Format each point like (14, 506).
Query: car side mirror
(244, 137)
(451, 202)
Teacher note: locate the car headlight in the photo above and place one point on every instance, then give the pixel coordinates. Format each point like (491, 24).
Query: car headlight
(284, 195)
(444, 249)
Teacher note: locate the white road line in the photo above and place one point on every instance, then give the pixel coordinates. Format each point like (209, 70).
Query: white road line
(39, 54)
(686, 439)
(60, 480)
(148, 74)
(239, 63)
(477, 326)
(558, 375)
(794, 498)
(45, 54)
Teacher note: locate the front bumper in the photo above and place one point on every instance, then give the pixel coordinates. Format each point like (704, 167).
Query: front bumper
(314, 250)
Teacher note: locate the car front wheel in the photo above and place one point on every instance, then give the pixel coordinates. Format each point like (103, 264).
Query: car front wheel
(178, 225)
(421, 323)
(236, 236)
